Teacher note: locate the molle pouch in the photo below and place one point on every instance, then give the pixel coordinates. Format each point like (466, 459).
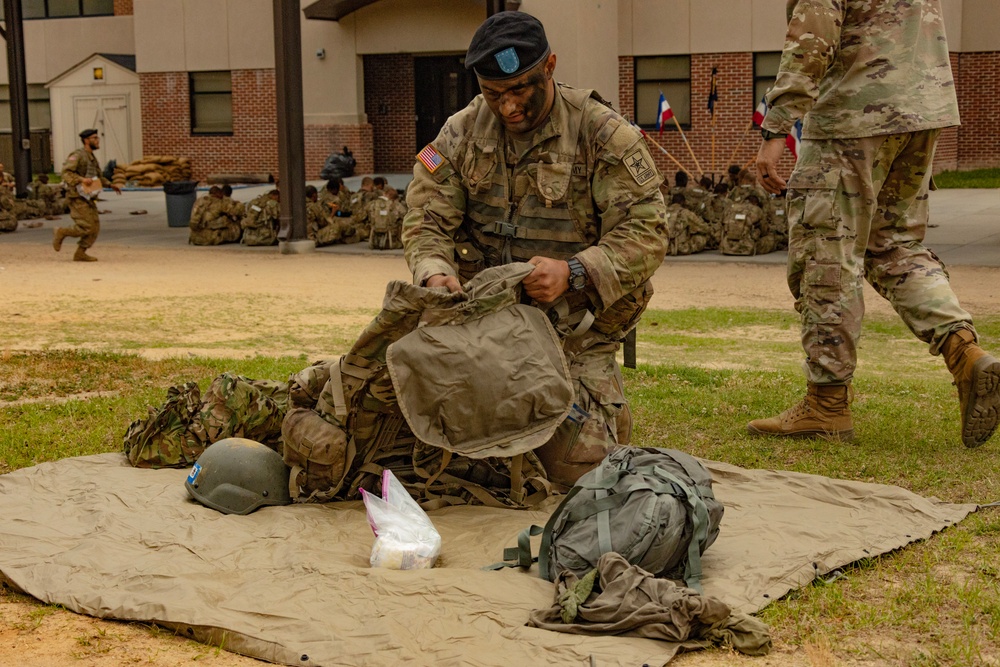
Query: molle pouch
(317, 452)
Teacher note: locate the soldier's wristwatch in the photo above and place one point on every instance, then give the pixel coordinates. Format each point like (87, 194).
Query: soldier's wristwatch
(768, 135)
(577, 275)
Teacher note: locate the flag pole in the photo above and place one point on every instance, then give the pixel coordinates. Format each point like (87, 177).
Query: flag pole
(713, 145)
(664, 151)
(740, 144)
(713, 96)
(686, 143)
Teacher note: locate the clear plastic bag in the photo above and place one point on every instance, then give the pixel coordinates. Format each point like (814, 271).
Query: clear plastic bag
(405, 538)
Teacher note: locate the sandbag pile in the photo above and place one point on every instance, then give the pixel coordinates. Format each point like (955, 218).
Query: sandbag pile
(152, 171)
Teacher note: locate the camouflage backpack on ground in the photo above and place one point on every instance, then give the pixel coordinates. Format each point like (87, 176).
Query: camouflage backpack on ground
(741, 228)
(260, 226)
(435, 351)
(170, 436)
(383, 215)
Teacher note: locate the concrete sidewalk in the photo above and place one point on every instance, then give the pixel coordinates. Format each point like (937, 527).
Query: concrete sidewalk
(965, 227)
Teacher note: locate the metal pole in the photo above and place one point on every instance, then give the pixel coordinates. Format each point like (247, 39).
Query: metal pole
(291, 125)
(20, 128)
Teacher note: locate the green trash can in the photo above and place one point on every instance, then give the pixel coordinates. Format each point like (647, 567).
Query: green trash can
(180, 200)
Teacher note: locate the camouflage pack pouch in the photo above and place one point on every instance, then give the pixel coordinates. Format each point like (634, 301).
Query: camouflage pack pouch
(170, 436)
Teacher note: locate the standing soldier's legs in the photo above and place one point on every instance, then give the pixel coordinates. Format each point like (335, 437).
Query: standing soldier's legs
(600, 419)
(86, 227)
(858, 207)
(829, 208)
(915, 281)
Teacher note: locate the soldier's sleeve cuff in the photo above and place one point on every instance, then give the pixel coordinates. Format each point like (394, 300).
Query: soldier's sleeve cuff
(431, 267)
(602, 275)
(778, 120)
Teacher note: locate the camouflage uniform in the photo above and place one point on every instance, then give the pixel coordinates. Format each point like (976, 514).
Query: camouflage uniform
(584, 187)
(8, 219)
(212, 222)
(687, 233)
(260, 224)
(82, 164)
(873, 80)
(317, 217)
(715, 211)
(359, 214)
(51, 196)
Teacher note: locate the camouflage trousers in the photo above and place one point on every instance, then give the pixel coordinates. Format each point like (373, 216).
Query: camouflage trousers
(600, 419)
(857, 209)
(86, 223)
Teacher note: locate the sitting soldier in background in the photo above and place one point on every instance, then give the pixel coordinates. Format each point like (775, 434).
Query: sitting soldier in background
(52, 197)
(316, 213)
(237, 209)
(359, 206)
(6, 179)
(715, 212)
(260, 224)
(778, 223)
(8, 219)
(212, 221)
(734, 175)
(680, 185)
(687, 233)
(336, 192)
(386, 216)
(742, 226)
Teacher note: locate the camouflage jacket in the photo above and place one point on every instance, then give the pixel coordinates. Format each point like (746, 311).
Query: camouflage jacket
(863, 68)
(81, 164)
(585, 186)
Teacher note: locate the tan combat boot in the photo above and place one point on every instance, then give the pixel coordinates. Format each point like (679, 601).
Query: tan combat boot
(825, 412)
(977, 377)
(82, 256)
(58, 234)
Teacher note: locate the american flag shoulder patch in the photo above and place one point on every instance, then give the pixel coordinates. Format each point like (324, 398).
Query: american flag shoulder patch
(430, 158)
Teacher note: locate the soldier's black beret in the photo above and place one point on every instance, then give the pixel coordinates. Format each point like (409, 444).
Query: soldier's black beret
(506, 45)
(88, 133)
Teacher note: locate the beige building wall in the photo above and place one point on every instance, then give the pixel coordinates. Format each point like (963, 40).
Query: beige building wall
(681, 27)
(583, 34)
(52, 47)
(332, 73)
(203, 35)
(417, 26)
(980, 26)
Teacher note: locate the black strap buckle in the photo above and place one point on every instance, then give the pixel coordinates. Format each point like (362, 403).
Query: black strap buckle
(505, 229)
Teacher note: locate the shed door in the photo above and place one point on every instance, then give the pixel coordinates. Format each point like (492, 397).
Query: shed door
(109, 114)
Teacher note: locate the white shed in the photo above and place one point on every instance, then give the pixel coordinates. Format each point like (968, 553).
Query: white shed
(101, 92)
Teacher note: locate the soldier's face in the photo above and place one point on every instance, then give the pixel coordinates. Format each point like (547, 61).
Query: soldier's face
(94, 142)
(522, 104)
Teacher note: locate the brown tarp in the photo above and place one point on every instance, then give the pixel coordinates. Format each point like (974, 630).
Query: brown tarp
(293, 585)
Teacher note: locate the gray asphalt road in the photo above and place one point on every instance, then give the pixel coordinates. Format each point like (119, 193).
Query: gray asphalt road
(965, 227)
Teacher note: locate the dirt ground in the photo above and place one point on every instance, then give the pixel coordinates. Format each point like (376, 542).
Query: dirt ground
(40, 286)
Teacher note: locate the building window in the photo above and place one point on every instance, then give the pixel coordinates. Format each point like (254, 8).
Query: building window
(765, 71)
(670, 75)
(54, 9)
(211, 103)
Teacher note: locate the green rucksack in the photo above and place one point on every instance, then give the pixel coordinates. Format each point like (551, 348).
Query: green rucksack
(654, 507)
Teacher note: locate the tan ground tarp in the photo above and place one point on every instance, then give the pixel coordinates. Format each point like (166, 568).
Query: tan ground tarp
(292, 585)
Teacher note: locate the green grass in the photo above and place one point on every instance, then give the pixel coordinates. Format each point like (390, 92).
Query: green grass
(703, 373)
(976, 178)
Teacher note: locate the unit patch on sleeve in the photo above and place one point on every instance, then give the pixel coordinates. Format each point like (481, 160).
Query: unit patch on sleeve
(639, 166)
(430, 158)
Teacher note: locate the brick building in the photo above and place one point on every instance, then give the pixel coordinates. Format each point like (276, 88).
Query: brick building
(380, 76)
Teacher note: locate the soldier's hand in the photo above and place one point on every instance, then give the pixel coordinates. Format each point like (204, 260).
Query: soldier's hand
(441, 280)
(117, 189)
(767, 165)
(334, 206)
(548, 281)
(88, 181)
